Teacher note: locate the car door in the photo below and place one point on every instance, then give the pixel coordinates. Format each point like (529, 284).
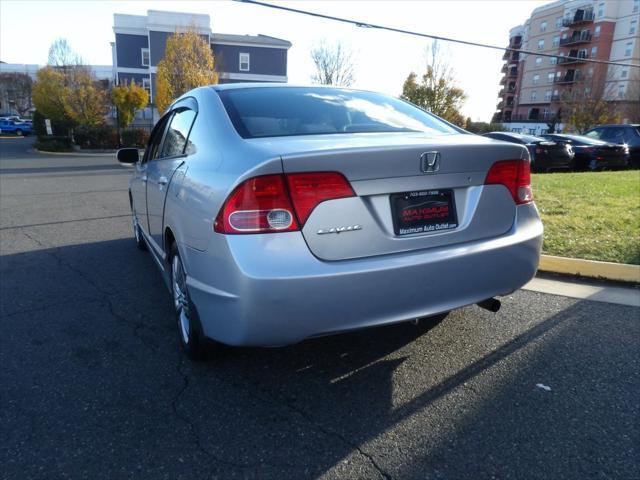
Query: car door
(138, 183)
(161, 169)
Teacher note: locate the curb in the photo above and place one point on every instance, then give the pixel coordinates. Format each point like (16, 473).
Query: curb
(619, 272)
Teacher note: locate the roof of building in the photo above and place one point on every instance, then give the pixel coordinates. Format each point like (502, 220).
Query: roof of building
(257, 39)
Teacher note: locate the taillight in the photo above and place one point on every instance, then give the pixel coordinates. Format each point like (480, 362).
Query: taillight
(278, 203)
(309, 189)
(515, 175)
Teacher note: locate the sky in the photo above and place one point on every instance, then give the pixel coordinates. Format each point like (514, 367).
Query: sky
(382, 59)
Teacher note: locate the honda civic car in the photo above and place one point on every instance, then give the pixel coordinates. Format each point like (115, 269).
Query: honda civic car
(546, 155)
(279, 213)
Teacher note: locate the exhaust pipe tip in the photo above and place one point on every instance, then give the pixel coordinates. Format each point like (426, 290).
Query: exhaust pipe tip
(491, 304)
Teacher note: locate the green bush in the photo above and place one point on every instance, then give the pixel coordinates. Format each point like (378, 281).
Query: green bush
(103, 137)
(135, 137)
(53, 143)
(38, 124)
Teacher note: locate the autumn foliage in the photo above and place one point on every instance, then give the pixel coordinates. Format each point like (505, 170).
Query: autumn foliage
(128, 98)
(188, 63)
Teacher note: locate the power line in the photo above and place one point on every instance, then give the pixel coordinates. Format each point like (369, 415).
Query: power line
(426, 35)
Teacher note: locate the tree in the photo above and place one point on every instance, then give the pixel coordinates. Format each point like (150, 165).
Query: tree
(48, 94)
(188, 63)
(85, 101)
(334, 64)
(587, 101)
(16, 90)
(436, 91)
(128, 98)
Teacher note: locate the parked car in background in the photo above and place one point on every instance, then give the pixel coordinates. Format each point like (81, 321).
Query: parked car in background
(593, 154)
(11, 126)
(277, 213)
(625, 134)
(545, 154)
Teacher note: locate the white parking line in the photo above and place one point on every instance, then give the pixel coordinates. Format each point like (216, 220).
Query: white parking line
(597, 293)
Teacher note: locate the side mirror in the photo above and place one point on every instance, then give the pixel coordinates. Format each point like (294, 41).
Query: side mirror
(128, 155)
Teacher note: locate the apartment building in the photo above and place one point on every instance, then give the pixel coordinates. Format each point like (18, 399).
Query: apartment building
(140, 42)
(562, 36)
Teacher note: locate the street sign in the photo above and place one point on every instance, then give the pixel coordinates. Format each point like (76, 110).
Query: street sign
(47, 124)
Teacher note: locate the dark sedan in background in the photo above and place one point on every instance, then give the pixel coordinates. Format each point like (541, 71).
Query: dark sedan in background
(625, 134)
(593, 154)
(545, 154)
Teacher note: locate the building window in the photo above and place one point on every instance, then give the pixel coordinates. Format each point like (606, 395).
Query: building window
(624, 73)
(556, 41)
(540, 44)
(587, 91)
(538, 61)
(146, 84)
(550, 78)
(532, 131)
(632, 27)
(590, 72)
(601, 10)
(594, 52)
(244, 62)
(534, 95)
(547, 95)
(555, 93)
(596, 32)
(553, 60)
(543, 27)
(144, 53)
(636, 6)
(559, 22)
(628, 49)
(535, 79)
(621, 91)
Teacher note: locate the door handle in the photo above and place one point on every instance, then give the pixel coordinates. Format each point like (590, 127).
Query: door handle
(162, 181)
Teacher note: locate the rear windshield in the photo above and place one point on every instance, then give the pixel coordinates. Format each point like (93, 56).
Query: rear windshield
(585, 140)
(279, 112)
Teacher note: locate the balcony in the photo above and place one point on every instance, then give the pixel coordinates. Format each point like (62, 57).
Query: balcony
(573, 57)
(576, 38)
(581, 16)
(515, 56)
(513, 72)
(504, 68)
(503, 81)
(555, 98)
(570, 77)
(510, 103)
(511, 88)
(533, 116)
(516, 42)
(506, 55)
(500, 105)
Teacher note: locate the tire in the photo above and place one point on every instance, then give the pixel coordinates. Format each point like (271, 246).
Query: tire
(19, 132)
(189, 330)
(137, 235)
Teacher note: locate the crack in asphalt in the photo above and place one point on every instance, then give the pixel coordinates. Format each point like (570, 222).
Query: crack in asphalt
(186, 379)
(104, 294)
(270, 399)
(13, 227)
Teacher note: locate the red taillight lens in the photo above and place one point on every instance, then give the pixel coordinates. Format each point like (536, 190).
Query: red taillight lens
(309, 189)
(258, 205)
(515, 175)
(278, 203)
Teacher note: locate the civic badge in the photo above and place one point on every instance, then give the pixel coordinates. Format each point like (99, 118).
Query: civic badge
(430, 162)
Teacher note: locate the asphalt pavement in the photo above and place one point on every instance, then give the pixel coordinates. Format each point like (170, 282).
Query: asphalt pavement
(93, 384)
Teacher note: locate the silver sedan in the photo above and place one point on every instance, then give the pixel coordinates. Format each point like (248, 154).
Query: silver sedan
(278, 213)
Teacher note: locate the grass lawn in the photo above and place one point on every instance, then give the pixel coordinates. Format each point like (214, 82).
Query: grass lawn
(594, 215)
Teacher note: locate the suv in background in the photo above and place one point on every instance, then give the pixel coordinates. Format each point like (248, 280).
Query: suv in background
(627, 134)
(11, 126)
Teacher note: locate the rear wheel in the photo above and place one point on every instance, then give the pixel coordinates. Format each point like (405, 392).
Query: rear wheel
(189, 330)
(19, 132)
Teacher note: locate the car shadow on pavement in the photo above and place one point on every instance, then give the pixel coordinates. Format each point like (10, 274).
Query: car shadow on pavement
(96, 386)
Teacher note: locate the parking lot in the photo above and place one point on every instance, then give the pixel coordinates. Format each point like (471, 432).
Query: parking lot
(94, 385)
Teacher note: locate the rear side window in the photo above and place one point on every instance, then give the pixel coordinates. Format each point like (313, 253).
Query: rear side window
(153, 150)
(595, 133)
(176, 138)
(278, 112)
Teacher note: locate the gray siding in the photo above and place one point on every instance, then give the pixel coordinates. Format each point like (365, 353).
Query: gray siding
(128, 50)
(263, 61)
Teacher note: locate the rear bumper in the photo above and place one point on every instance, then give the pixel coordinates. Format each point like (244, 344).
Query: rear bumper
(270, 290)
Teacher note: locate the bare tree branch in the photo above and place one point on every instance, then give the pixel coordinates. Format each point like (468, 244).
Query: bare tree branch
(334, 64)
